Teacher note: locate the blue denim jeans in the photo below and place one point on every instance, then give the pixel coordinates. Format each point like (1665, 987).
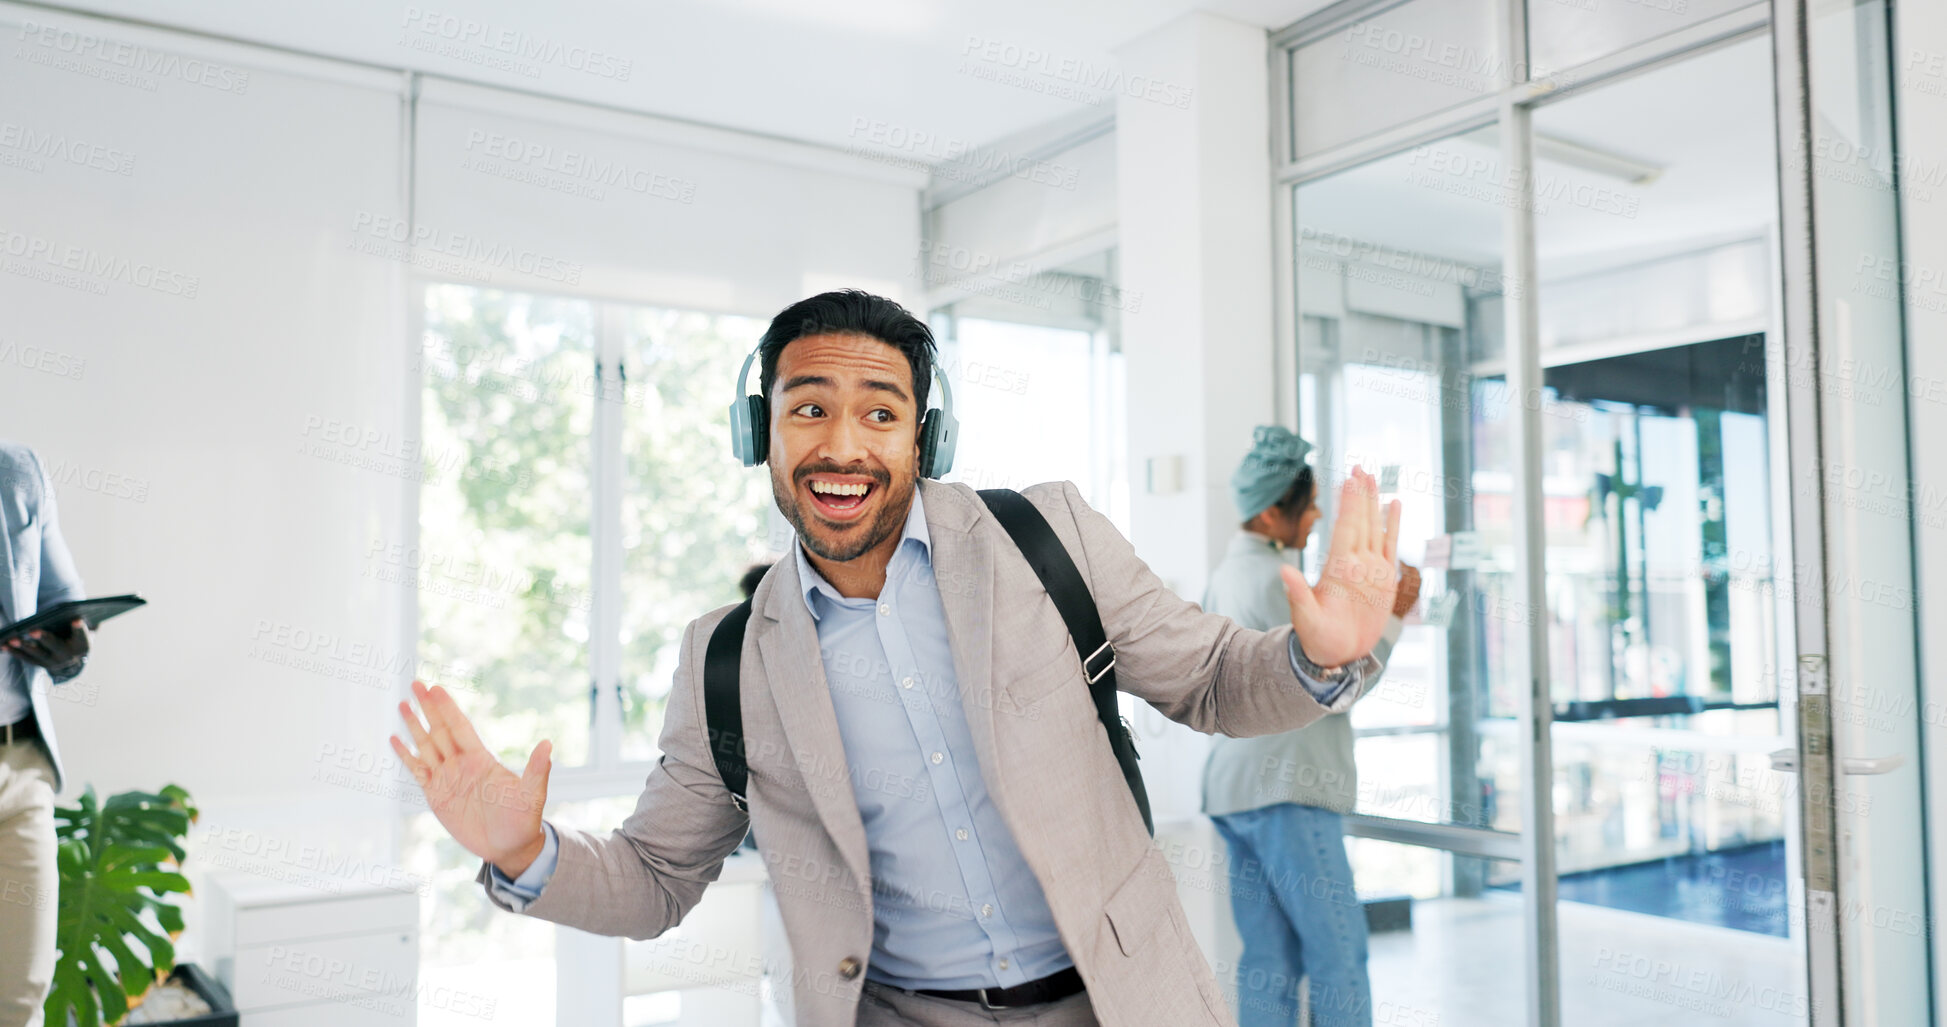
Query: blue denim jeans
(1291, 893)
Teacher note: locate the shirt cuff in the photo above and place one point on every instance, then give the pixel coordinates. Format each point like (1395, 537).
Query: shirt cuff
(71, 670)
(518, 892)
(1335, 688)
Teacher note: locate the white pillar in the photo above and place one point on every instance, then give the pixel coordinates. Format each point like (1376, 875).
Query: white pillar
(1194, 208)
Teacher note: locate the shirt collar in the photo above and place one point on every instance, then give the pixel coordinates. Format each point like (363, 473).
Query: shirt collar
(1248, 541)
(810, 581)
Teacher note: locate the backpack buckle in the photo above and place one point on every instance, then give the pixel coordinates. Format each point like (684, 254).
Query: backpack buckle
(1087, 668)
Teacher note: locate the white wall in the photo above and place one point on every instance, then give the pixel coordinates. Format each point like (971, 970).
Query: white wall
(206, 392)
(233, 443)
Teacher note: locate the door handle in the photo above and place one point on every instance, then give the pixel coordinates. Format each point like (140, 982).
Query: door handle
(1881, 765)
(1786, 760)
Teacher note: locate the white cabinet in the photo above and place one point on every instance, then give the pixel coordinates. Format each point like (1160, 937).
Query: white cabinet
(298, 957)
(713, 964)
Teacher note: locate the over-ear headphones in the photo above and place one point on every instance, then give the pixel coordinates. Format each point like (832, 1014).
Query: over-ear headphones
(750, 426)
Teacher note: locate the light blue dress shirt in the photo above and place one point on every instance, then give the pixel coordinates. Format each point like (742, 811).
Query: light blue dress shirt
(955, 903)
(56, 582)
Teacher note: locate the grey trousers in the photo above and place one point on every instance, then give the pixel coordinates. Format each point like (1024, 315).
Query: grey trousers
(881, 1006)
(27, 883)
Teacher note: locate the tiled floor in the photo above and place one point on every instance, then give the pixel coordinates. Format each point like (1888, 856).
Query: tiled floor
(1462, 965)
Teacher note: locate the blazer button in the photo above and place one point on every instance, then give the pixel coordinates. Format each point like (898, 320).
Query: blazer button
(849, 968)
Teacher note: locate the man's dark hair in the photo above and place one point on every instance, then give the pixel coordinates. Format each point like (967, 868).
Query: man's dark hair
(851, 312)
(1298, 496)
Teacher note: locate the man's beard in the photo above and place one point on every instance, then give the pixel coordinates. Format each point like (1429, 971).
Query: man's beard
(890, 519)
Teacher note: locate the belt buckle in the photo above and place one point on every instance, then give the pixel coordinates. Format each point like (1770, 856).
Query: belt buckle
(988, 1005)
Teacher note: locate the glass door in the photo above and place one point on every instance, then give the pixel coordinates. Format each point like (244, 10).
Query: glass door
(1677, 843)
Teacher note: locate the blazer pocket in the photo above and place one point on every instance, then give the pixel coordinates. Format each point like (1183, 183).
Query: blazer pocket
(1136, 912)
(1035, 680)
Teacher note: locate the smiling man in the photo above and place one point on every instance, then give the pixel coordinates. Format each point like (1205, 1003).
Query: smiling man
(950, 835)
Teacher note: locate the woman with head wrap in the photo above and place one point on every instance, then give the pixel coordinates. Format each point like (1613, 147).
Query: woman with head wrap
(1279, 800)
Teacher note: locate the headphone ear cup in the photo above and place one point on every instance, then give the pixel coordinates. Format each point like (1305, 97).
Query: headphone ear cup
(938, 432)
(929, 429)
(750, 434)
(760, 430)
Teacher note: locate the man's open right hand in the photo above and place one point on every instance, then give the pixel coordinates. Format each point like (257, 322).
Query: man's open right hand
(493, 813)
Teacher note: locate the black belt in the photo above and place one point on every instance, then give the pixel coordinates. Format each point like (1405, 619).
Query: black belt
(1057, 985)
(22, 730)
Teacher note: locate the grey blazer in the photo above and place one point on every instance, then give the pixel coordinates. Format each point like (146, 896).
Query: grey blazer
(1042, 753)
(39, 571)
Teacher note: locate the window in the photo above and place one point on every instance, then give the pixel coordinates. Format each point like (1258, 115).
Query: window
(693, 519)
(579, 508)
(503, 562)
(1038, 403)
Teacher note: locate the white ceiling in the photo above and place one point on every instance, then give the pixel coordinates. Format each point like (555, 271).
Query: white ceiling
(800, 69)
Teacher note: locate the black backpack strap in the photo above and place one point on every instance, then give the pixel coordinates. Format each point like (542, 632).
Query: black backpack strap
(723, 711)
(1056, 569)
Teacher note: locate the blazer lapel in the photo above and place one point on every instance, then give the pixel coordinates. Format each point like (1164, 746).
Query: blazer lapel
(963, 567)
(15, 583)
(787, 641)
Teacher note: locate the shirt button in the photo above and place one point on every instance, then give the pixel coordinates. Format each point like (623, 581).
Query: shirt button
(908, 683)
(848, 968)
(885, 609)
(938, 756)
(1003, 962)
(986, 911)
(961, 834)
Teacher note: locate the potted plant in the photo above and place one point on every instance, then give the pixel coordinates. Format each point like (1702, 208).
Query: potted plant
(118, 862)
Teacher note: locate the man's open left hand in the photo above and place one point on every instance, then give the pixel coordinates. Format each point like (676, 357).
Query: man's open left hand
(1340, 619)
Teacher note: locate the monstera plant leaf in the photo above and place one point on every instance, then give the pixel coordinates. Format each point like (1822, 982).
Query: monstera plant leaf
(115, 863)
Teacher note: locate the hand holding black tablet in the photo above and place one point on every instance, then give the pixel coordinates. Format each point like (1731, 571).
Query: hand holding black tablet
(56, 618)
